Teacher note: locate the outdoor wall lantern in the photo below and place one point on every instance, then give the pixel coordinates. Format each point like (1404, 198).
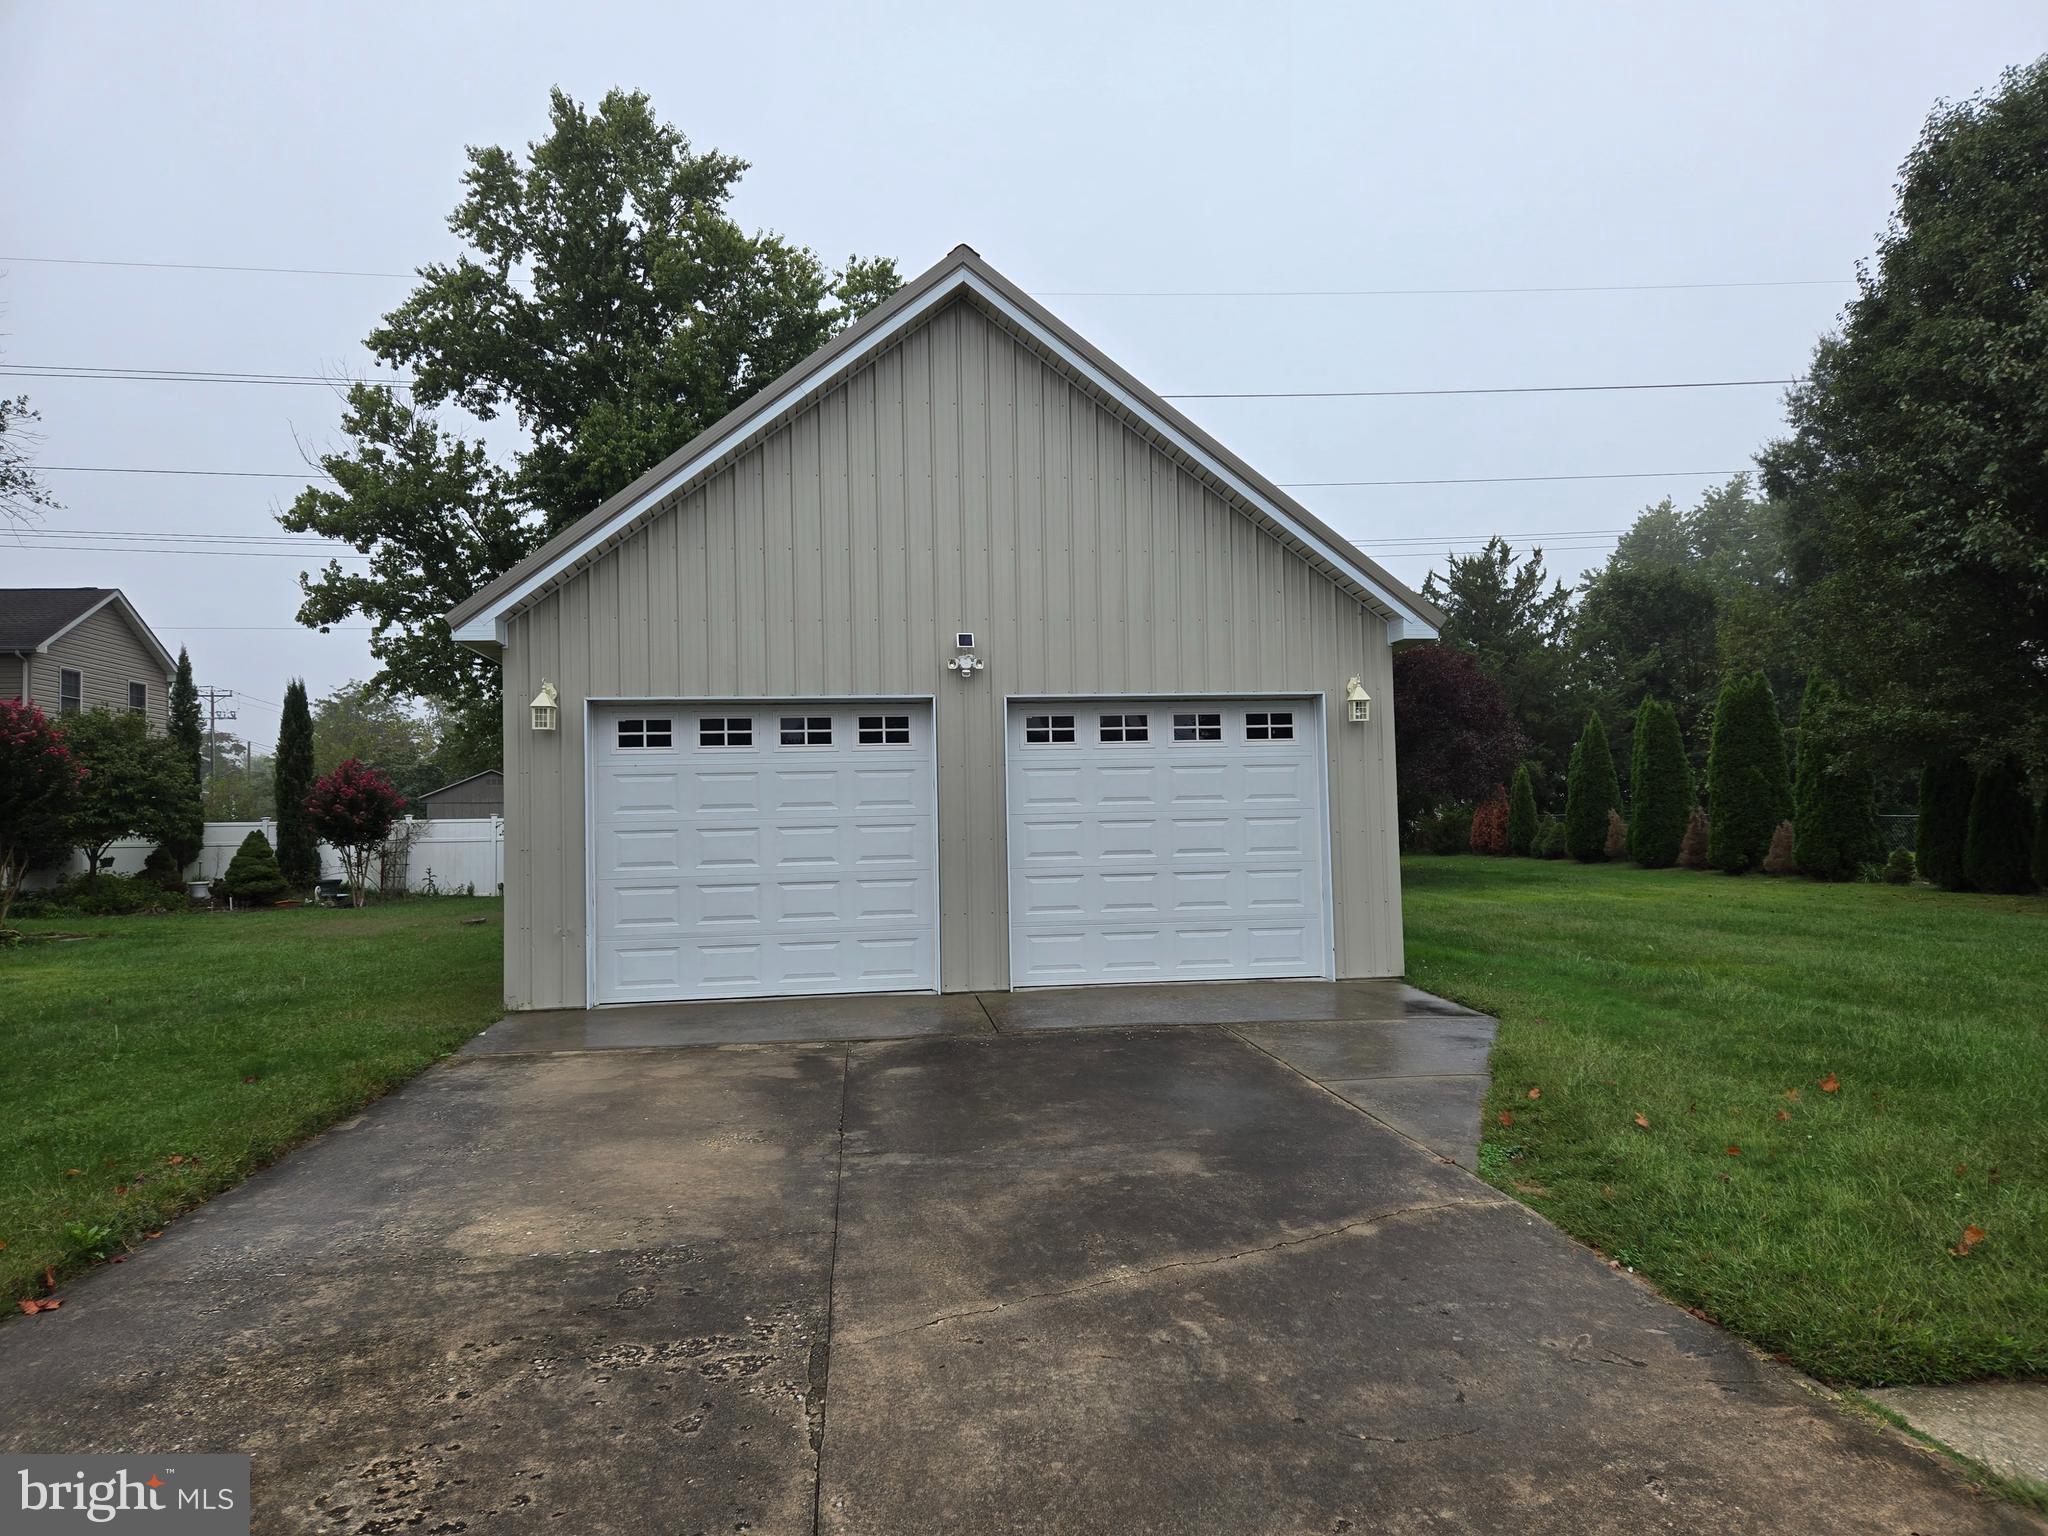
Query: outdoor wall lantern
(545, 710)
(1358, 701)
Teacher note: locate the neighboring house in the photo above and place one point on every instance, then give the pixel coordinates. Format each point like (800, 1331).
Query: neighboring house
(481, 794)
(954, 659)
(74, 648)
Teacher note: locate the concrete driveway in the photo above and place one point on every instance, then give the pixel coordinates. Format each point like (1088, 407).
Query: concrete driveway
(1157, 1260)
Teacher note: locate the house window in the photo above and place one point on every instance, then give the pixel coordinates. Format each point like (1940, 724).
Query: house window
(726, 731)
(1125, 728)
(1269, 725)
(807, 730)
(70, 691)
(885, 730)
(1048, 730)
(646, 733)
(138, 698)
(1198, 727)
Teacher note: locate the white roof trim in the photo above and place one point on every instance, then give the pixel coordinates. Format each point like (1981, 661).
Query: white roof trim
(488, 623)
(148, 635)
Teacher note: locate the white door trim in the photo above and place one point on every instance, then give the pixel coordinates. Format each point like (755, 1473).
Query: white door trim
(593, 702)
(1232, 695)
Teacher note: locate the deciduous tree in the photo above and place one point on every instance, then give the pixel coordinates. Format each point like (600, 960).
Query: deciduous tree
(1453, 737)
(39, 785)
(352, 810)
(135, 784)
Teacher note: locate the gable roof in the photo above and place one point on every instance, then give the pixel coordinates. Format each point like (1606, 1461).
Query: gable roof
(32, 618)
(478, 620)
(468, 778)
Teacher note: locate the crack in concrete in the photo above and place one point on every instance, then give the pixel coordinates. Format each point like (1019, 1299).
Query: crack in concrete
(1128, 1276)
(818, 1375)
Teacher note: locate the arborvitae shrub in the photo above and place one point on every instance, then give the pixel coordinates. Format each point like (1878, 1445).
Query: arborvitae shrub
(1780, 860)
(1835, 799)
(1522, 823)
(1591, 791)
(1617, 836)
(1490, 824)
(2041, 845)
(252, 877)
(1550, 839)
(1998, 853)
(1692, 853)
(1749, 790)
(1944, 824)
(1898, 869)
(1661, 790)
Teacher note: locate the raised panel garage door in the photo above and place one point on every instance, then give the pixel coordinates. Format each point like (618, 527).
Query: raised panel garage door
(762, 849)
(1174, 841)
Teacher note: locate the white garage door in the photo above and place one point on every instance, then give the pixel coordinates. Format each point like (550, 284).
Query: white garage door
(1166, 841)
(758, 850)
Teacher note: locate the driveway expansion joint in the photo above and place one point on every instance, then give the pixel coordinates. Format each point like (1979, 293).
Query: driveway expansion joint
(819, 1370)
(1130, 1276)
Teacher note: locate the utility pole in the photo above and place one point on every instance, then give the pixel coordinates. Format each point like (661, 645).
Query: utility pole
(214, 715)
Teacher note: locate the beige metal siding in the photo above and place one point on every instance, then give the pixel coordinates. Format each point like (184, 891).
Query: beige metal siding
(108, 655)
(958, 481)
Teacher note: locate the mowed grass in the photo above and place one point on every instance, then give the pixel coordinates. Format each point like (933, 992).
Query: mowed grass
(158, 1060)
(1821, 1225)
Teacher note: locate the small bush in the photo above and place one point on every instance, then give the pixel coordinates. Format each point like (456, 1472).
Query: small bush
(1522, 820)
(163, 870)
(1998, 851)
(1550, 839)
(1778, 859)
(1591, 791)
(1898, 869)
(97, 896)
(253, 878)
(1692, 853)
(1446, 831)
(1490, 824)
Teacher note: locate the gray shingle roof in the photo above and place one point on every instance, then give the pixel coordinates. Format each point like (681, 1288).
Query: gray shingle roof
(30, 615)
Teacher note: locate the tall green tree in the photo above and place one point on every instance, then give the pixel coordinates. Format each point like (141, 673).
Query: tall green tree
(1943, 825)
(188, 727)
(607, 301)
(1648, 631)
(1916, 474)
(1749, 787)
(298, 847)
(185, 829)
(1998, 849)
(1592, 791)
(1661, 788)
(1515, 620)
(1523, 822)
(1835, 831)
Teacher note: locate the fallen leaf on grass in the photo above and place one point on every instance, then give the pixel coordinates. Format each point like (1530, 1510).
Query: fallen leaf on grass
(1961, 1169)
(1830, 1084)
(152, 1234)
(50, 1278)
(1992, 1175)
(1784, 1114)
(1792, 1093)
(72, 1173)
(1535, 1093)
(47, 1304)
(1643, 1121)
(1972, 1236)
(175, 1158)
(1734, 1151)
(1506, 1118)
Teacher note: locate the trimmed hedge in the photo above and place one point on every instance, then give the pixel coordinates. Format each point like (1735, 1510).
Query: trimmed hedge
(1591, 791)
(1522, 821)
(1661, 788)
(1944, 826)
(1749, 789)
(1998, 852)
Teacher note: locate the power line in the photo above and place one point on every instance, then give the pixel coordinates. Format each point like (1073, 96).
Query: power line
(161, 549)
(1054, 293)
(205, 376)
(228, 474)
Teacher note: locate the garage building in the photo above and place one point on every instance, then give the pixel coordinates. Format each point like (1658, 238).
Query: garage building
(955, 659)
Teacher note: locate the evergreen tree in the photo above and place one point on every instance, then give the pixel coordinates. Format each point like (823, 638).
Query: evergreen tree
(1522, 814)
(1749, 788)
(1944, 824)
(1661, 784)
(1591, 791)
(188, 730)
(298, 848)
(252, 878)
(185, 823)
(1835, 815)
(1997, 855)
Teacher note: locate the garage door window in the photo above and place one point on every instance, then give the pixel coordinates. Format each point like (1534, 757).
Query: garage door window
(807, 730)
(1198, 727)
(1273, 725)
(723, 731)
(1125, 728)
(885, 730)
(1048, 730)
(646, 733)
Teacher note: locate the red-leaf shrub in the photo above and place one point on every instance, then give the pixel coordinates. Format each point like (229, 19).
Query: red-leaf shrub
(39, 779)
(1454, 738)
(352, 810)
(1490, 823)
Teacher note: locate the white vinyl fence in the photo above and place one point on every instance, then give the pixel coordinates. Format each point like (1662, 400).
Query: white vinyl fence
(438, 855)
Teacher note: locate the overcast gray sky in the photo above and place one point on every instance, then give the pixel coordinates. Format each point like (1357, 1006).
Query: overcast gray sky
(1078, 147)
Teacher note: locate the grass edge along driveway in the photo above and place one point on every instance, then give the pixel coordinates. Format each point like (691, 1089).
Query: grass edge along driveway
(159, 1060)
(1839, 1083)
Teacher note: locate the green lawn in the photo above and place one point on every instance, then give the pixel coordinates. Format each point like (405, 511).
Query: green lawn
(1820, 1224)
(159, 1060)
